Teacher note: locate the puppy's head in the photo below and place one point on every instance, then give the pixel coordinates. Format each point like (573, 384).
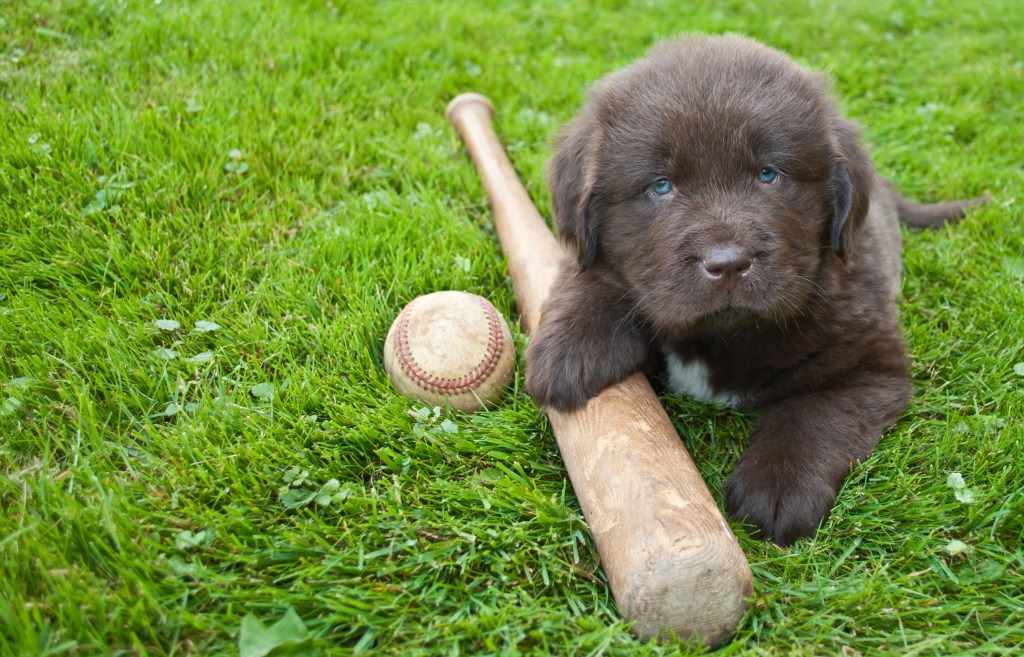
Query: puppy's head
(714, 179)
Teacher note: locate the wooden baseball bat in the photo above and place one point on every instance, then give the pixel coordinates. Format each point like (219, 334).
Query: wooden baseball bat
(672, 562)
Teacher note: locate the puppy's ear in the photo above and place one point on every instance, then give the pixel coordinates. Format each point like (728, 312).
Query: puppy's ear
(573, 173)
(849, 185)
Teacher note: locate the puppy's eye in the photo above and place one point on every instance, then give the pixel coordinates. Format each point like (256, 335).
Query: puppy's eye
(661, 187)
(768, 175)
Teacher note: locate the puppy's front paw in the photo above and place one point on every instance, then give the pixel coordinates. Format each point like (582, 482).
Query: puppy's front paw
(783, 495)
(586, 342)
(556, 374)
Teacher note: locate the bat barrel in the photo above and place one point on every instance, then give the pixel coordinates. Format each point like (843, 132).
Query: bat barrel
(673, 564)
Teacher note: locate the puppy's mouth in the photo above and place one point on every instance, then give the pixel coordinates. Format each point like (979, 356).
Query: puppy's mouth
(729, 315)
(726, 314)
(713, 311)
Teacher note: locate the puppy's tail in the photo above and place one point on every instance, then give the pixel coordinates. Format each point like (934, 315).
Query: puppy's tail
(930, 215)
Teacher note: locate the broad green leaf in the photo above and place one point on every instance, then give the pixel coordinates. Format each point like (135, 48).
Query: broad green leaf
(263, 391)
(283, 637)
(296, 497)
(203, 326)
(186, 539)
(295, 476)
(202, 357)
(965, 495)
(9, 405)
(955, 547)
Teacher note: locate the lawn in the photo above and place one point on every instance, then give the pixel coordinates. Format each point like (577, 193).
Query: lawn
(210, 213)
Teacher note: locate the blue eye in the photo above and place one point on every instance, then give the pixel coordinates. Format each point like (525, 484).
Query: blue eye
(661, 186)
(768, 175)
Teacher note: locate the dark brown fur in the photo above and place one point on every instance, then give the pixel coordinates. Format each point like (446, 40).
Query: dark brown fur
(782, 291)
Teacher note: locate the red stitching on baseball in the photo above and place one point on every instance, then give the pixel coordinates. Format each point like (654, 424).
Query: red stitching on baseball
(465, 383)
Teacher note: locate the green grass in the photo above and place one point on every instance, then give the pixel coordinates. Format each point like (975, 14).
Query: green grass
(283, 170)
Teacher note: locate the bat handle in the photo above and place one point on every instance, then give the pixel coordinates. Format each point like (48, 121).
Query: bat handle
(534, 257)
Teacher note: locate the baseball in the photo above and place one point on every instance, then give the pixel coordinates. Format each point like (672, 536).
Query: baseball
(450, 345)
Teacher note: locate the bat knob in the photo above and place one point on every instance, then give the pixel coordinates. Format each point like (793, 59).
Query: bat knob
(465, 101)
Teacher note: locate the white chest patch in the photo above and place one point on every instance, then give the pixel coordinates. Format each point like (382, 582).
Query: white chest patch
(693, 378)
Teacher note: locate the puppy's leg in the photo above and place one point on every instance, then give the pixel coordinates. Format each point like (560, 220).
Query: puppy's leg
(588, 339)
(802, 449)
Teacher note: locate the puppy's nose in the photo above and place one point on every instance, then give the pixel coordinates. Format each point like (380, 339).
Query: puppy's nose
(727, 265)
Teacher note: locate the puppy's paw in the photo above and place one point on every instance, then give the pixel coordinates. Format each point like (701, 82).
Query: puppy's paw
(586, 341)
(558, 376)
(784, 498)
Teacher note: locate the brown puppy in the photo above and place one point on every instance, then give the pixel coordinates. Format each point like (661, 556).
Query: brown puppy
(726, 219)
